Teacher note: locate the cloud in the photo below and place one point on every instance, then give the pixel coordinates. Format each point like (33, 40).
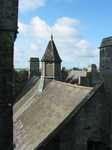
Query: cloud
(22, 28)
(73, 48)
(29, 5)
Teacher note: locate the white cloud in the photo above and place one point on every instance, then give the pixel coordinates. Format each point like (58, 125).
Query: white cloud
(74, 50)
(22, 28)
(40, 27)
(67, 21)
(28, 5)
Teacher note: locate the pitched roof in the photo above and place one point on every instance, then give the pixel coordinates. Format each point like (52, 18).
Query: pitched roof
(29, 85)
(51, 53)
(26, 95)
(40, 116)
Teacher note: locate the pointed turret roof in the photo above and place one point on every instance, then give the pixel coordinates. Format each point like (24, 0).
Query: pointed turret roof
(51, 53)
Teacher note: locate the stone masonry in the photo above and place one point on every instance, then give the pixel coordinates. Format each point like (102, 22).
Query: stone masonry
(8, 30)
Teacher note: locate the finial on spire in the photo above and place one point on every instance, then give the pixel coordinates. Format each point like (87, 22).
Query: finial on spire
(51, 37)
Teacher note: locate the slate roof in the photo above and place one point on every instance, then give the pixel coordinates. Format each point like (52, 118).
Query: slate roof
(42, 83)
(28, 92)
(51, 53)
(30, 83)
(38, 117)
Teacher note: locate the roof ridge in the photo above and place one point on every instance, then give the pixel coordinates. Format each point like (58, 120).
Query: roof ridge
(72, 85)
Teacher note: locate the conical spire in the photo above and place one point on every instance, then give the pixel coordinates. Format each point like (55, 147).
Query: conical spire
(51, 37)
(51, 53)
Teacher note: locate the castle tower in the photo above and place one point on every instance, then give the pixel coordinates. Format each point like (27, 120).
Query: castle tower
(51, 65)
(8, 31)
(106, 63)
(106, 72)
(51, 62)
(34, 67)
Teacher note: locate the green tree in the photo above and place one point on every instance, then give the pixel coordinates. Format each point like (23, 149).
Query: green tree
(21, 77)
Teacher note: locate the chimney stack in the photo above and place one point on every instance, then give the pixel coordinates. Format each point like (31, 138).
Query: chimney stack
(34, 67)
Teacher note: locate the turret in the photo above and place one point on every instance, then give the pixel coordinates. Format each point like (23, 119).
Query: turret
(51, 62)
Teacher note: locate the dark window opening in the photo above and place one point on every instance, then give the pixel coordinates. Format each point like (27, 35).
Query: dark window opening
(92, 145)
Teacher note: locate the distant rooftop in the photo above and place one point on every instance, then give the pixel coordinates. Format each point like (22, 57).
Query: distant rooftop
(21, 69)
(74, 74)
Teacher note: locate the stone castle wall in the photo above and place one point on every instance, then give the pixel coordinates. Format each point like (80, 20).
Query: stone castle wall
(8, 30)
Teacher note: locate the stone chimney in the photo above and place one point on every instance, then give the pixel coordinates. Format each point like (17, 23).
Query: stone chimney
(8, 31)
(34, 67)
